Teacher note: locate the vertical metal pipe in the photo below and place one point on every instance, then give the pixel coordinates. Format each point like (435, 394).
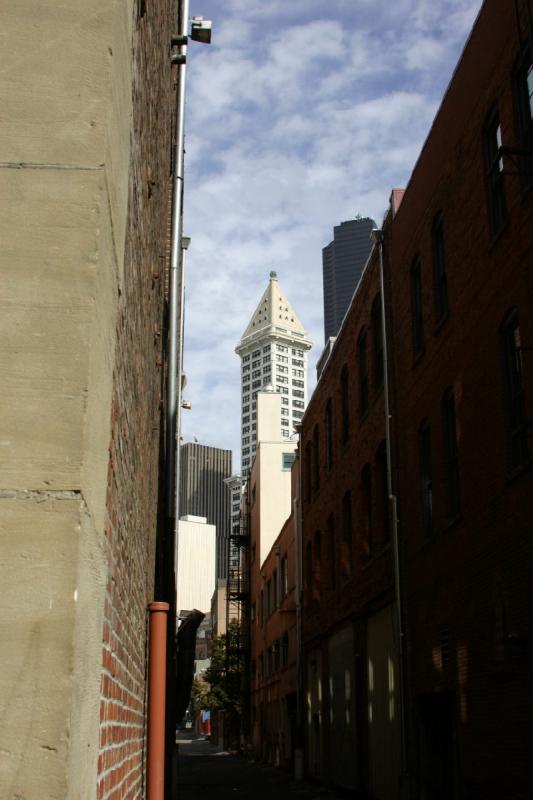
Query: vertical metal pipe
(176, 279)
(393, 505)
(156, 700)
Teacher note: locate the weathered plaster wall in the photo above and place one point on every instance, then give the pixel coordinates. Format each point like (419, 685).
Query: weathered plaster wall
(65, 82)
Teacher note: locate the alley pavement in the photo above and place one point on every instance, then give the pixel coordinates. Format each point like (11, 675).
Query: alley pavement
(203, 772)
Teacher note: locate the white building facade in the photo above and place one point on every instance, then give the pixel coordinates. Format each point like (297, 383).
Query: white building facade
(273, 351)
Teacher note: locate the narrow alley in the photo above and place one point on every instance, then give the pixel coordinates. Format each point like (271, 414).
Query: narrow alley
(202, 770)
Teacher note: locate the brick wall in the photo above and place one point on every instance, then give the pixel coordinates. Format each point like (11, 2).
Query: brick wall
(134, 450)
(468, 582)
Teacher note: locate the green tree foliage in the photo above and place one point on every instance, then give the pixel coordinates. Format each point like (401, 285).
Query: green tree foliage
(220, 687)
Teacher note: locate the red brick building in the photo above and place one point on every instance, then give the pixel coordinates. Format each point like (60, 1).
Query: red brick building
(273, 590)
(348, 565)
(457, 257)
(461, 295)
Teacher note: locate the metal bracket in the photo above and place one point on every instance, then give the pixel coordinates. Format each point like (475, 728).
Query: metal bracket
(178, 39)
(178, 58)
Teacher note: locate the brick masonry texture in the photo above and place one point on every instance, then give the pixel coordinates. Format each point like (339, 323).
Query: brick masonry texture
(134, 454)
(468, 585)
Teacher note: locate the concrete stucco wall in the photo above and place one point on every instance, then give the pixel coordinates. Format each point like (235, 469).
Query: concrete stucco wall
(64, 161)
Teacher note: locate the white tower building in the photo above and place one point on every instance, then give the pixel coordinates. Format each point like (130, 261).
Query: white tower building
(273, 350)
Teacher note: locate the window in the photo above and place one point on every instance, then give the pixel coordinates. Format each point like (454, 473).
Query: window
(256, 374)
(246, 429)
(246, 369)
(298, 404)
(439, 270)
(363, 375)
(523, 90)
(267, 370)
(298, 393)
(298, 373)
(309, 471)
(417, 328)
(299, 353)
(285, 423)
(381, 459)
(346, 542)
(287, 460)
(275, 590)
(284, 650)
(345, 405)
(316, 460)
(297, 414)
(245, 358)
(256, 353)
(309, 571)
(297, 362)
(377, 342)
(514, 390)
(329, 436)
(284, 412)
(317, 566)
(424, 444)
(494, 172)
(256, 384)
(266, 349)
(281, 369)
(296, 382)
(281, 348)
(245, 409)
(284, 576)
(266, 359)
(330, 544)
(256, 364)
(451, 466)
(282, 379)
(285, 433)
(282, 359)
(366, 484)
(246, 418)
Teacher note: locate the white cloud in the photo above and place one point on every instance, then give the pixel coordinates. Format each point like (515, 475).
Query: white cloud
(297, 118)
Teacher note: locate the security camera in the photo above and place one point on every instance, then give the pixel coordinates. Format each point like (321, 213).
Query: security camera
(186, 404)
(201, 30)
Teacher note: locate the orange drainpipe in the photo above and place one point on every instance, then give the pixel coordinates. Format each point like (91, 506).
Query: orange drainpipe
(156, 699)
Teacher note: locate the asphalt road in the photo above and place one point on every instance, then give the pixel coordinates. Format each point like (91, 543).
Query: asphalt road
(204, 772)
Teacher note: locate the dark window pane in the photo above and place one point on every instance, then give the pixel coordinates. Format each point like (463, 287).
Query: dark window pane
(416, 307)
(514, 391)
(439, 270)
(426, 477)
(451, 465)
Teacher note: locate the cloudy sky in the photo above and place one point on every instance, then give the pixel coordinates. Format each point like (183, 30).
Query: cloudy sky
(300, 114)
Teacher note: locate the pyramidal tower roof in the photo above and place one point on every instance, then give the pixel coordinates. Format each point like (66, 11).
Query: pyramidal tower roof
(274, 314)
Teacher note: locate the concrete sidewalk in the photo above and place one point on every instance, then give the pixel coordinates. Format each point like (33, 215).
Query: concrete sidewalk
(205, 772)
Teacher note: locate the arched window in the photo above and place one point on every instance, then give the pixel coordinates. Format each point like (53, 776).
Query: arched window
(345, 404)
(329, 436)
(377, 342)
(366, 492)
(426, 479)
(451, 461)
(383, 491)
(363, 375)
(316, 459)
(347, 535)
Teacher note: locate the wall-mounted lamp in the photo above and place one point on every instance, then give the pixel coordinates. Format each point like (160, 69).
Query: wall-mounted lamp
(201, 30)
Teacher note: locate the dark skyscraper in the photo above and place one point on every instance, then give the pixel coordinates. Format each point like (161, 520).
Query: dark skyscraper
(343, 261)
(203, 492)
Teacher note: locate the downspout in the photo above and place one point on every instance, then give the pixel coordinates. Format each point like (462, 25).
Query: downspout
(176, 282)
(393, 504)
(297, 511)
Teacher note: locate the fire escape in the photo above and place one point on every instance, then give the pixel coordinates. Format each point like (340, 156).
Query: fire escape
(238, 610)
